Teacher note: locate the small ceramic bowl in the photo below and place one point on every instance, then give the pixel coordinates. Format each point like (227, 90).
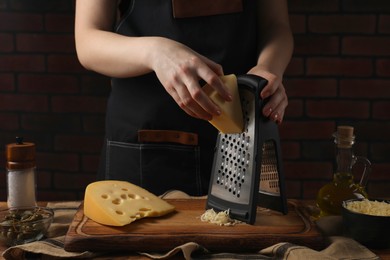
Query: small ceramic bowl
(24, 225)
(369, 230)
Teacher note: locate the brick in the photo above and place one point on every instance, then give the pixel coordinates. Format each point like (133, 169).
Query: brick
(59, 22)
(51, 123)
(55, 195)
(290, 150)
(316, 44)
(310, 6)
(338, 109)
(380, 151)
(43, 140)
(379, 190)
(95, 84)
(383, 67)
(26, 103)
(22, 63)
(6, 137)
(3, 195)
(306, 130)
(9, 122)
(372, 131)
(15, 22)
(6, 42)
(58, 161)
(294, 109)
(363, 24)
(7, 82)
(64, 64)
(90, 163)
(94, 124)
(340, 67)
(78, 143)
(3, 176)
(41, 5)
(380, 171)
(3, 4)
(365, 88)
(381, 110)
(47, 83)
(295, 67)
(293, 189)
(368, 46)
(360, 147)
(83, 104)
(384, 24)
(366, 6)
(311, 188)
(298, 23)
(308, 170)
(64, 181)
(300, 87)
(318, 150)
(50, 43)
(43, 178)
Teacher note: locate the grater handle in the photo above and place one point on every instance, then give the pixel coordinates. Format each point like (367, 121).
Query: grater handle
(254, 82)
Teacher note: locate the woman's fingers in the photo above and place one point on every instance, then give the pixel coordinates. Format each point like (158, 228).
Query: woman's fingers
(276, 105)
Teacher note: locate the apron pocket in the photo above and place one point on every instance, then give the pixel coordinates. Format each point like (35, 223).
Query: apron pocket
(155, 167)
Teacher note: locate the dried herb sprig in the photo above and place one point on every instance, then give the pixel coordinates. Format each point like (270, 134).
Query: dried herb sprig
(20, 226)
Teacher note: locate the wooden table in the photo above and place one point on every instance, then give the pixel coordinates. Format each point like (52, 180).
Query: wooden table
(383, 254)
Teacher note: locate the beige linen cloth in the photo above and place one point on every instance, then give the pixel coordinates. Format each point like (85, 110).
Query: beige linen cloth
(53, 246)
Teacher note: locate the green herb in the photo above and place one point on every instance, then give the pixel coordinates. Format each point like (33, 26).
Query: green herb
(19, 225)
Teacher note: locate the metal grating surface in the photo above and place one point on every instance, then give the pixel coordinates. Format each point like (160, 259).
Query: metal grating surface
(269, 175)
(235, 156)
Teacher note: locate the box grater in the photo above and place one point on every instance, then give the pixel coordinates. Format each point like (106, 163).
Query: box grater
(247, 169)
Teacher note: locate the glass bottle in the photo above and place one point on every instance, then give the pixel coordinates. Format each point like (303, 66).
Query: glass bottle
(20, 166)
(343, 186)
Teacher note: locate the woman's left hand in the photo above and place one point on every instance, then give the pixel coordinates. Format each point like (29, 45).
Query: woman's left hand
(275, 92)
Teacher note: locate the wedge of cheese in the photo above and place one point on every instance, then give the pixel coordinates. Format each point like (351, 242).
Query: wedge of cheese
(118, 203)
(230, 121)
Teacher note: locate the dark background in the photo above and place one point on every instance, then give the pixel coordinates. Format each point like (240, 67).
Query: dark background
(339, 74)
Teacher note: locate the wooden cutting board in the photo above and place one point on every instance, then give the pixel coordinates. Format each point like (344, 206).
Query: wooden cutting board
(184, 225)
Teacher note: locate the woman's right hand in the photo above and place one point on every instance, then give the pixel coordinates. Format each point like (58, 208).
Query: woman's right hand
(180, 70)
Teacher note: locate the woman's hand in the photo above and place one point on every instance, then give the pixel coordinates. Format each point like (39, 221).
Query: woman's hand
(276, 94)
(178, 68)
(180, 71)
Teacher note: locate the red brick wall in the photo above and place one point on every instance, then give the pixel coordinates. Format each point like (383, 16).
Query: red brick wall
(340, 74)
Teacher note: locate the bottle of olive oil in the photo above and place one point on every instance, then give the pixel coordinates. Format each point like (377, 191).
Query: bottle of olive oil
(343, 186)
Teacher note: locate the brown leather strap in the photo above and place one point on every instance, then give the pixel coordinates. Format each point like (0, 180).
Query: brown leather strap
(195, 8)
(167, 136)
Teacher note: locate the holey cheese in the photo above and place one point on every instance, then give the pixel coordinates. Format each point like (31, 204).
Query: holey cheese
(118, 203)
(230, 121)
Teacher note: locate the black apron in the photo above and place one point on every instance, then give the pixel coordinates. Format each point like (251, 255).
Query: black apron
(139, 103)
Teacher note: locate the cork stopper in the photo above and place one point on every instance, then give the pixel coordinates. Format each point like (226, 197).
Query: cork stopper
(344, 136)
(20, 155)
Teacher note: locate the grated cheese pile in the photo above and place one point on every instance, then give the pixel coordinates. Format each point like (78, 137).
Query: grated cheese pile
(221, 218)
(375, 208)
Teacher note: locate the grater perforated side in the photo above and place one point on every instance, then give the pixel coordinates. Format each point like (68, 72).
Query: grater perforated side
(247, 166)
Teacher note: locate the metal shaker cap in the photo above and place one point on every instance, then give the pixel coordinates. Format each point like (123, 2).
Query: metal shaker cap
(20, 155)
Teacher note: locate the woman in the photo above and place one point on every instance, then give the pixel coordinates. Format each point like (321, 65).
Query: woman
(159, 53)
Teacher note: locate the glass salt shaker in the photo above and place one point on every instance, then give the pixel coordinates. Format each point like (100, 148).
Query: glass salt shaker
(21, 183)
